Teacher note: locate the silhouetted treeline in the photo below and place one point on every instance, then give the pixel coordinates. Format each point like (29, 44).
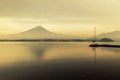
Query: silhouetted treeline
(44, 40)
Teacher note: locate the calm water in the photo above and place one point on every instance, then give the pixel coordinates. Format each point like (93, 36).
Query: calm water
(58, 61)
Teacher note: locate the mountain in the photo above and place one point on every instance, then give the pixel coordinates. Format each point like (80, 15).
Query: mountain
(38, 33)
(115, 35)
(37, 30)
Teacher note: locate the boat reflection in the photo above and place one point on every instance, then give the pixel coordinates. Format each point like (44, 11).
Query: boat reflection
(94, 54)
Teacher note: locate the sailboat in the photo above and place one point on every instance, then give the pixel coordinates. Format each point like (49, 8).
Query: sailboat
(94, 40)
(95, 44)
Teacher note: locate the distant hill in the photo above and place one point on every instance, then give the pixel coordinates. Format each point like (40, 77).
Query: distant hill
(106, 40)
(37, 30)
(115, 35)
(38, 33)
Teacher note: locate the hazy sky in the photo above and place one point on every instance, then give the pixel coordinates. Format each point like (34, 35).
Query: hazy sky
(72, 17)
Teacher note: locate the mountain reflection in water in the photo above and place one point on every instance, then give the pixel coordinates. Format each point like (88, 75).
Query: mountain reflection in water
(58, 61)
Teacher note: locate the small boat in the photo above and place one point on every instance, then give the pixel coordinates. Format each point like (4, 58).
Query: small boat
(94, 44)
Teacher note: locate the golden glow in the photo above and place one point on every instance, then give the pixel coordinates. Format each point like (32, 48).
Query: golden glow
(70, 17)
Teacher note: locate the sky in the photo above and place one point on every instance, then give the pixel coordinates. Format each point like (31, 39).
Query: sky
(70, 17)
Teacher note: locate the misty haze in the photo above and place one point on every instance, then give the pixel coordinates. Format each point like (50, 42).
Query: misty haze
(59, 39)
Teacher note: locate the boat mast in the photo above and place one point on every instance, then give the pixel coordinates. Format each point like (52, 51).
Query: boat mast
(94, 34)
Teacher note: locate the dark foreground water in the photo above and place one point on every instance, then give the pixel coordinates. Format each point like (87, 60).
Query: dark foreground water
(58, 61)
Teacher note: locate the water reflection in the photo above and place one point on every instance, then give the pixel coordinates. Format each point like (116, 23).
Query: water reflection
(114, 50)
(57, 61)
(38, 50)
(94, 53)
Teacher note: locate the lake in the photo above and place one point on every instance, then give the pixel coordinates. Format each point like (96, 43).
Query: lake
(58, 61)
